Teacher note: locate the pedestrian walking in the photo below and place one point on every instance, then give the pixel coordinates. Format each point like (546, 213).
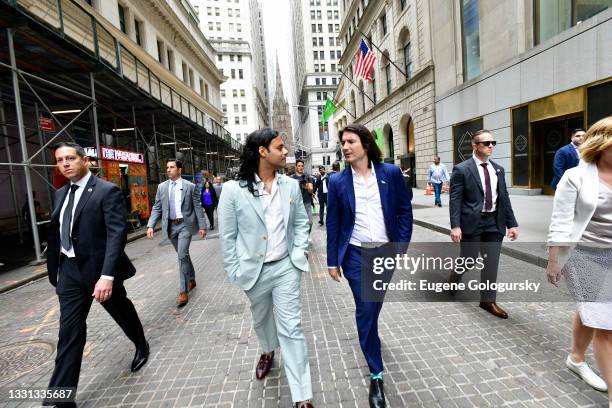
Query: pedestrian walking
(437, 175)
(321, 185)
(580, 248)
(86, 261)
(306, 183)
(567, 157)
(480, 212)
(178, 207)
(218, 186)
(209, 202)
(367, 203)
(264, 239)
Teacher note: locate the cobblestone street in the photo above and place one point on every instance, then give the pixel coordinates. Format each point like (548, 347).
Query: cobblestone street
(436, 354)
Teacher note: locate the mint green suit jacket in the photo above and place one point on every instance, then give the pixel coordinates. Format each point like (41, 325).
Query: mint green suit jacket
(243, 232)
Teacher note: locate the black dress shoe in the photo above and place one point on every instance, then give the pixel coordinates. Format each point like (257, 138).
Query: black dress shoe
(141, 357)
(377, 393)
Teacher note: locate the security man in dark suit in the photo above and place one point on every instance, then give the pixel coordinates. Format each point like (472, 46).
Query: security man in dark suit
(480, 212)
(86, 261)
(567, 157)
(321, 183)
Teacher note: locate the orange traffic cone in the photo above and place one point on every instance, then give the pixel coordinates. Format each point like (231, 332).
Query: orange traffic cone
(429, 190)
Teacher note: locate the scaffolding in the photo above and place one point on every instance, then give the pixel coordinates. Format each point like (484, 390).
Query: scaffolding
(59, 64)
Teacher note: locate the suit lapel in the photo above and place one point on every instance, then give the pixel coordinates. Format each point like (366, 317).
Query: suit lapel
(474, 170)
(255, 203)
(58, 205)
(185, 190)
(88, 191)
(349, 188)
(285, 194)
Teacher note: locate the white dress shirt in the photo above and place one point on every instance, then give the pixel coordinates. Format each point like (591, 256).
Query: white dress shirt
(324, 183)
(82, 183)
(178, 195)
(369, 219)
(493, 177)
(275, 223)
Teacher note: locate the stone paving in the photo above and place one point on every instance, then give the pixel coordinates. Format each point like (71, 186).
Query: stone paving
(436, 354)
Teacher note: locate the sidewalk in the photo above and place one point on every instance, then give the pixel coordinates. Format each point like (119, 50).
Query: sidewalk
(532, 214)
(20, 276)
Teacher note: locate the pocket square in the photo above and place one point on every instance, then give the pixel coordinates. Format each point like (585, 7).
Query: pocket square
(498, 170)
(383, 181)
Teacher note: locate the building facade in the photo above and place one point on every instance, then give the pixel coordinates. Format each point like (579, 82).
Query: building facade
(398, 104)
(322, 51)
(529, 70)
(235, 31)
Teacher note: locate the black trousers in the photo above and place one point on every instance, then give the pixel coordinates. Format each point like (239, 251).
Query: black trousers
(486, 240)
(75, 297)
(322, 204)
(210, 213)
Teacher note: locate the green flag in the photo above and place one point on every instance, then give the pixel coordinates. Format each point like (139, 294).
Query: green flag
(328, 110)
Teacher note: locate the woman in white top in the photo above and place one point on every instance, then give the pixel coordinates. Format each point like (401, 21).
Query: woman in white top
(580, 247)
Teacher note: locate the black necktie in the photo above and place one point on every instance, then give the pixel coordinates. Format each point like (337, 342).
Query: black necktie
(488, 192)
(67, 219)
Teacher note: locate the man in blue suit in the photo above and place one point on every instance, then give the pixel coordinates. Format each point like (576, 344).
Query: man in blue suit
(264, 238)
(367, 203)
(567, 157)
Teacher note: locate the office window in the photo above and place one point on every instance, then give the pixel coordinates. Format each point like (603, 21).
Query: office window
(239, 58)
(242, 93)
(321, 55)
(231, 57)
(312, 14)
(329, 14)
(336, 15)
(223, 93)
(313, 28)
(233, 73)
(320, 27)
(321, 41)
(225, 120)
(239, 27)
(237, 120)
(138, 31)
(231, 27)
(224, 108)
(408, 61)
(323, 81)
(122, 25)
(336, 27)
(211, 26)
(244, 120)
(160, 51)
(314, 41)
(331, 40)
(236, 108)
(206, 90)
(191, 79)
(317, 81)
(388, 78)
(334, 81)
(230, 12)
(322, 67)
(333, 67)
(402, 4)
(383, 24)
(217, 11)
(319, 15)
(554, 17)
(330, 28)
(318, 96)
(218, 26)
(338, 54)
(235, 93)
(315, 55)
(170, 60)
(471, 39)
(240, 75)
(243, 106)
(220, 57)
(209, 11)
(316, 67)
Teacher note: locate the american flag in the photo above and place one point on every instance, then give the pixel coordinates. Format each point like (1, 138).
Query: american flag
(365, 62)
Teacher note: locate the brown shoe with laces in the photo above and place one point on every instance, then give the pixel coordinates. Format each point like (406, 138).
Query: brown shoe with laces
(264, 365)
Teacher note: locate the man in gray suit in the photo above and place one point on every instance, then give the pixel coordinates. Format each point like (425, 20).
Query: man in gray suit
(178, 206)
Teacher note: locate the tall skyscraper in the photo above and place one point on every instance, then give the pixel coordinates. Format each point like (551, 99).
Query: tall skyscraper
(320, 27)
(235, 30)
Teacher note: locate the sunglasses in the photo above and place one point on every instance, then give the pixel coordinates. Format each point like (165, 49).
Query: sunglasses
(488, 143)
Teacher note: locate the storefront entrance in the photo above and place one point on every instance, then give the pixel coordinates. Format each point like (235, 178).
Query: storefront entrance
(549, 136)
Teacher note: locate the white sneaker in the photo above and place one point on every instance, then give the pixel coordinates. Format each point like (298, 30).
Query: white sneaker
(584, 371)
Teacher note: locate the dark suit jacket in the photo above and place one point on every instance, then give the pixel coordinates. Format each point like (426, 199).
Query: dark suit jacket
(319, 185)
(396, 207)
(565, 158)
(467, 197)
(99, 233)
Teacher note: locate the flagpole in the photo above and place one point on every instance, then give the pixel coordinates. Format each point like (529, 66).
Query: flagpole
(365, 94)
(382, 53)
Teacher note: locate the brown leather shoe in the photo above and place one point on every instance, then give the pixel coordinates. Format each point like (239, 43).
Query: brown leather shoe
(191, 285)
(264, 365)
(182, 299)
(304, 404)
(495, 310)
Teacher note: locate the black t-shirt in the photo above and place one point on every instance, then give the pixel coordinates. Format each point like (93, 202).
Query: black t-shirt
(303, 179)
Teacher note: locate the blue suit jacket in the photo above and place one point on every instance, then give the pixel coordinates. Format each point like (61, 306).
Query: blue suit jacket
(340, 221)
(565, 158)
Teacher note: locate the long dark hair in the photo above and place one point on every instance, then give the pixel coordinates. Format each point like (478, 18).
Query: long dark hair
(367, 141)
(249, 159)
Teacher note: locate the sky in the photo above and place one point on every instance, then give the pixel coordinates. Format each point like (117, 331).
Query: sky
(277, 34)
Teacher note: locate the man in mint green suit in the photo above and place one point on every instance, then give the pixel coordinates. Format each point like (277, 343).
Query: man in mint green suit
(264, 239)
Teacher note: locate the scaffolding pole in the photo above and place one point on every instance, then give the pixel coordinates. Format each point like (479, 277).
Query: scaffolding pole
(157, 166)
(94, 111)
(9, 158)
(24, 146)
(41, 141)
